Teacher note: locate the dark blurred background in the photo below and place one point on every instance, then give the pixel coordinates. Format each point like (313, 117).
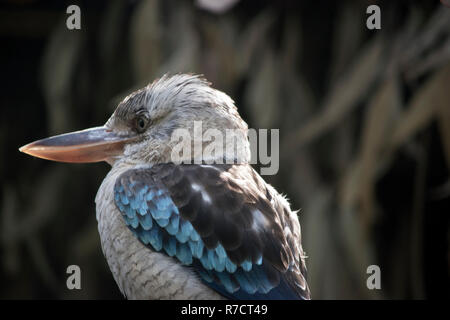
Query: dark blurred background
(364, 119)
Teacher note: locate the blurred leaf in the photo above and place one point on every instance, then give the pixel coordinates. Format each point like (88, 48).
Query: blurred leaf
(218, 53)
(423, 107)
(110, 27)
(146, 34)
(303, 169)
(181, 54)
(437, 26)
(296, 98)
(58, 67)
(401, 41)
(318, 249)
(377, 127)
(346, 39)
(345, 95)
(253, 39)
(434, 60)
(291, 44)
(263, 93)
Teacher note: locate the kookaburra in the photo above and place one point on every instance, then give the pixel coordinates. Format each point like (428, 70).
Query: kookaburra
(196, 227)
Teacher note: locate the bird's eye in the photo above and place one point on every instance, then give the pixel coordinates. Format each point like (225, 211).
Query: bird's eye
(141, 123)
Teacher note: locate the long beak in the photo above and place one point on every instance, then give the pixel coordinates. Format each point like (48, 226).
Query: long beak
(90, 145)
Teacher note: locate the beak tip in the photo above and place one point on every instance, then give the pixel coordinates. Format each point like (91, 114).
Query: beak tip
(28, 149)
(25, 149)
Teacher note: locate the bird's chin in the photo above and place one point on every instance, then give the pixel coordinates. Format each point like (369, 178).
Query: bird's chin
(90, 145)
(113, 160)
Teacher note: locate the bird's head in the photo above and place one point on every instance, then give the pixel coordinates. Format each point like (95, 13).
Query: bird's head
(149, 125)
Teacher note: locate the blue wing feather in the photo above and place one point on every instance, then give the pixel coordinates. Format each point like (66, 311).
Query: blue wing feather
(155, 220)
(280, 292)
